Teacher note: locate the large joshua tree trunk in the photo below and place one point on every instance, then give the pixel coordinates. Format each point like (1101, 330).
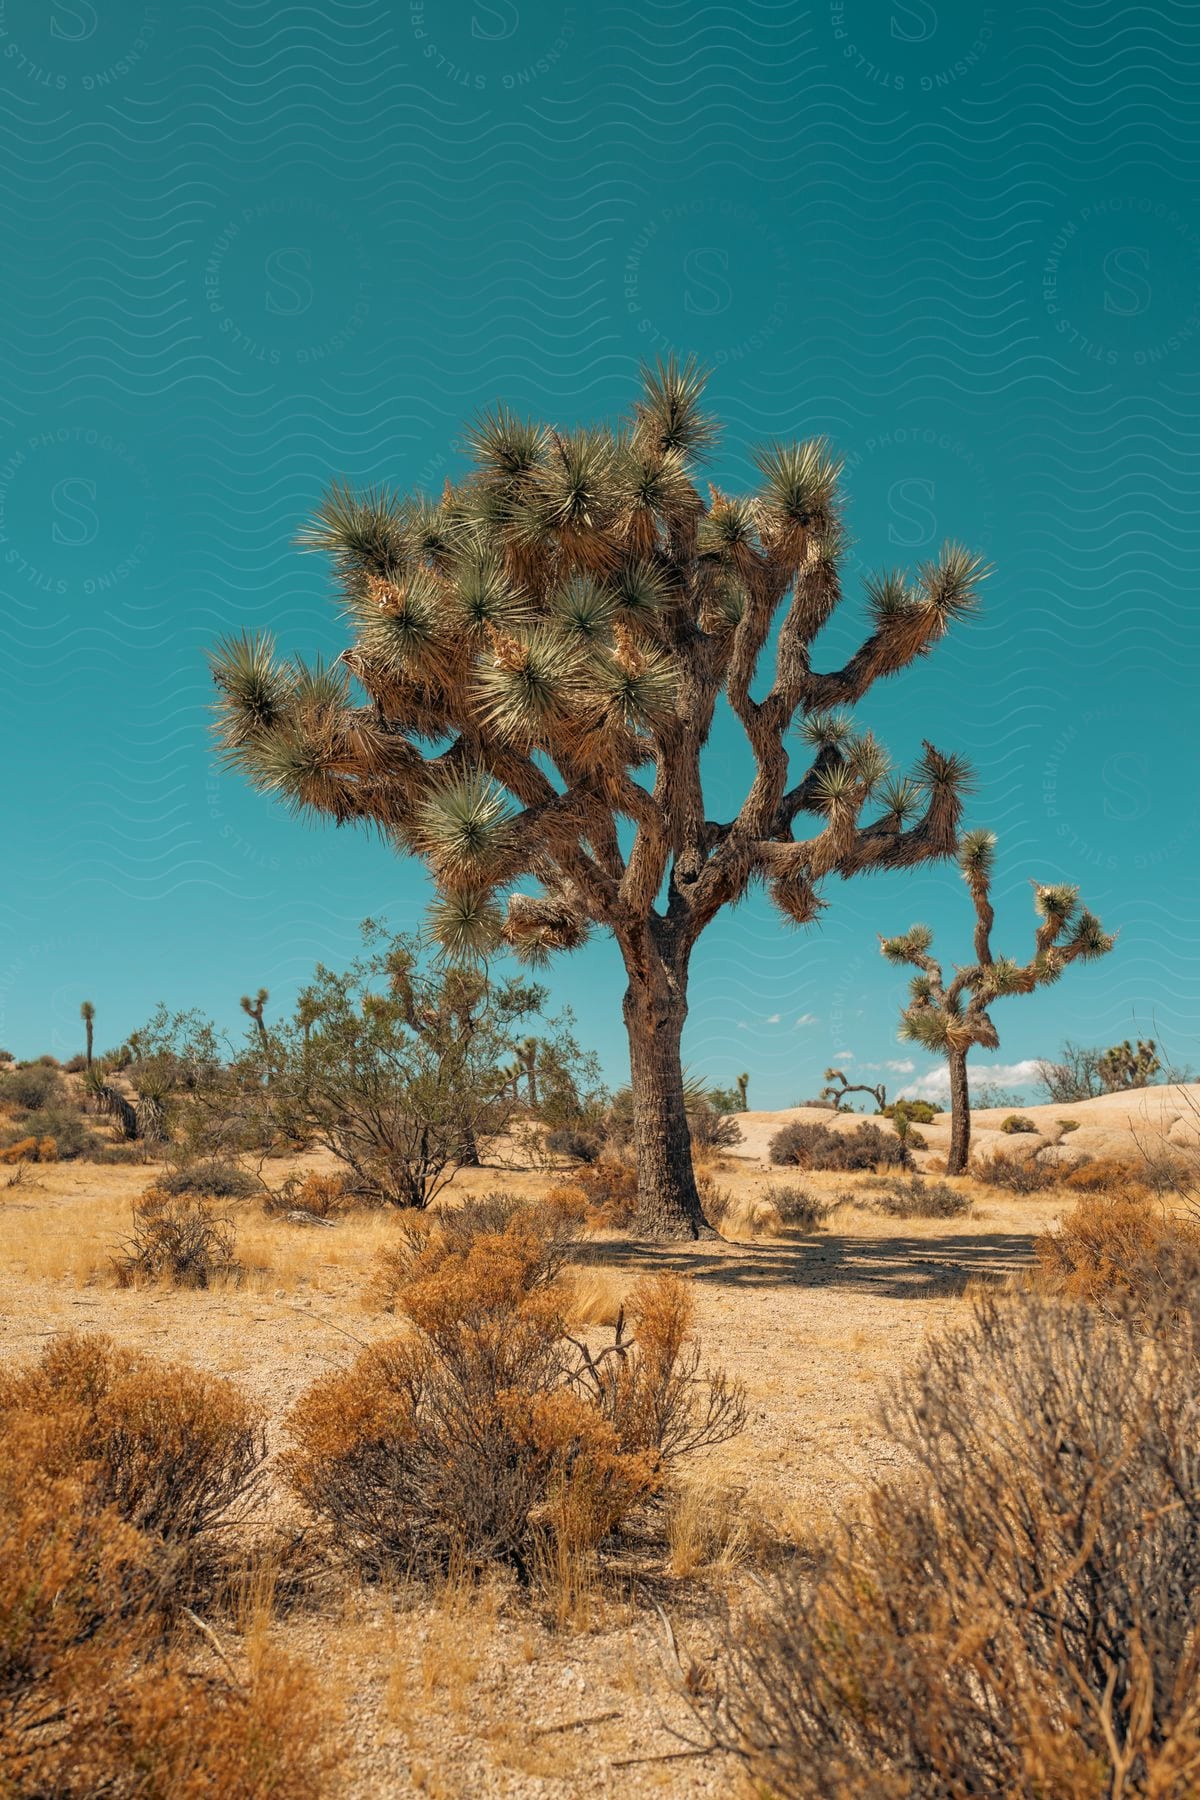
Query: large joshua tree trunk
(655, 1008)
(960, 1114)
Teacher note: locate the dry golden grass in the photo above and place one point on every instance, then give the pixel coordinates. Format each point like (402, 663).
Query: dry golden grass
(468, 1689)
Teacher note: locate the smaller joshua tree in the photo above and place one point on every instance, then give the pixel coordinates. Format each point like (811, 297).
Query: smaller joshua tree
(1122, 1066)
(837, 1087)
(254, 1010)
(954, 1016)
(87, 1013)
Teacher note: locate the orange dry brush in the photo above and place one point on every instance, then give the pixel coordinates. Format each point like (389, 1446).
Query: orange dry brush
(1116, 1244)
(489, 1432)
(30, 1149)
(113, 1470)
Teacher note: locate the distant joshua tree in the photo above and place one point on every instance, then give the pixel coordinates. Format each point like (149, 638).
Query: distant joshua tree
(837, 1087)
(527, 1053)
(254, 1008)
(1122, 1067)
(87, 1013)
(742, 1084)
(952, 1017)
(536, 662)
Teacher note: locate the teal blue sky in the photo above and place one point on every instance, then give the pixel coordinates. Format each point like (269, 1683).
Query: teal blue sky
(251, 246)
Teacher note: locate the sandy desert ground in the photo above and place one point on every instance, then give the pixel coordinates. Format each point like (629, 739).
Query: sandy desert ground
(479, 1691)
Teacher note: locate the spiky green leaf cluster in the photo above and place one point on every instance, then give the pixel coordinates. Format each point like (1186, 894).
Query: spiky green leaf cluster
(567, 611)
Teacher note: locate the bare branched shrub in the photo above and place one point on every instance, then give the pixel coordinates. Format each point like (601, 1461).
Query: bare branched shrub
(803, 1145)
(1021, 1617)
(490, 1433)
(916, 1198)
(179, 1237)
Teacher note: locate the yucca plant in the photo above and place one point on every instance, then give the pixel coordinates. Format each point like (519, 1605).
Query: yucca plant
(254, 1010)
(951, 1017)
(534, 669)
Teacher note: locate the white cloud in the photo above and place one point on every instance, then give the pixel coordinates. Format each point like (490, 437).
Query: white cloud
(773, 1019)
(807, 1019)
(935, 1083)
(841, 1056)
(903, 1066)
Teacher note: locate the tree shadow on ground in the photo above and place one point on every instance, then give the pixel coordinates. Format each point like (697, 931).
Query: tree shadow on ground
(897, 1267)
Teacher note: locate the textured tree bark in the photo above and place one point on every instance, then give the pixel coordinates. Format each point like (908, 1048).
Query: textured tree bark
(668, 1200)
(960, 1114)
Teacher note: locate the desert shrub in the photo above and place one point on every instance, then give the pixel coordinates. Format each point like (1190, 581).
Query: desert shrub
(31, 1088)
(799, 1209)
(23, 1149)
(553, 1224)
(1017, 1122)
(319, 1195)
(120, 1155)
(609, 1188)
(178, 1236)
(712, 1129)
(919, 1112)
(211, 1178)
(814, 1146)
(915, 1197)
(1069, 1124)
(82, 1642)
(1021, 1615)
(1165, 1173)
(1117, 1247)
(1101, 1175)
(488, 1432)
(715, 1201)
(65, 1125)
(172, 1451)
(580, 1146)
(1016, 1174)
(75, 1065)
(162, 1732)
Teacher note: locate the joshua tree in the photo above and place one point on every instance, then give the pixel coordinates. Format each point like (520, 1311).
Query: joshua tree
(254, 1008)
(742, 1085)
(953, 1016)
(1122, 1067)
(87, 1013)
(837, 1087)
(528, 1056)
(535, 665)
